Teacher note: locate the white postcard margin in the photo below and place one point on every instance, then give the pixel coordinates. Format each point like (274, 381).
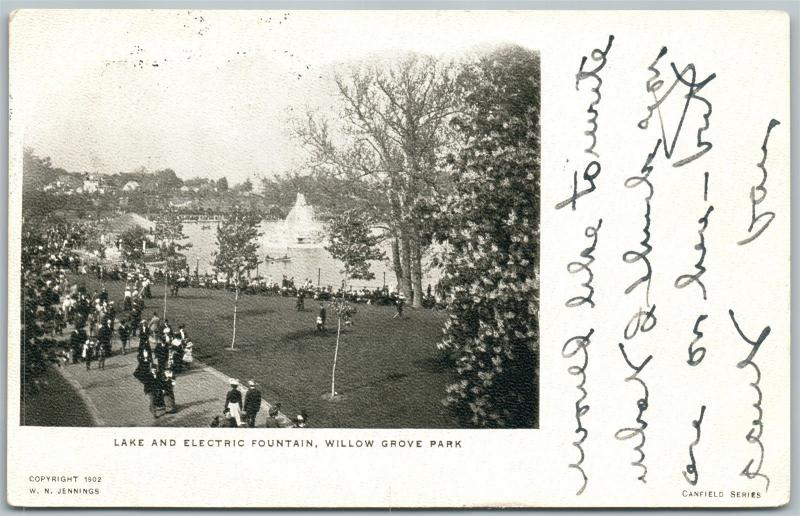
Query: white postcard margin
(748, 52)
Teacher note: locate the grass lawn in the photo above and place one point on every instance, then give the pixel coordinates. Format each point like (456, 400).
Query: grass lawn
(388, 372)
(55, 403)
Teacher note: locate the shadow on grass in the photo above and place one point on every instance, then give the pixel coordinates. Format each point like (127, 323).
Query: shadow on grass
(310, 333)
(377, 382)
(56, 403)
(185, 297)
(189, 372)
(228, 316)
(438, 363)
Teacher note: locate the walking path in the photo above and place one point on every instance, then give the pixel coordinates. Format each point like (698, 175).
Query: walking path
(115, 398)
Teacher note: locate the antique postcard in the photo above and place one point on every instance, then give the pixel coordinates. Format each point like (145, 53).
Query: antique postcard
(398, 259)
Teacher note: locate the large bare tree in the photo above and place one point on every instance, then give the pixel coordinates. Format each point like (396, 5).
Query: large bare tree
(386, 138)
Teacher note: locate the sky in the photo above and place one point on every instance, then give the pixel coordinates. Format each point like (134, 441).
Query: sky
(206, 93)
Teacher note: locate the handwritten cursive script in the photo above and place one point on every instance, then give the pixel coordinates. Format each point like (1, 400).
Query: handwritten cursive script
(593, 168)
(758, 193)
(576, 267)
(691, 474)
(754, 434)
(572, 347)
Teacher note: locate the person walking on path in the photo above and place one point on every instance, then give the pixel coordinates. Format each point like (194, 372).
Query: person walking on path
(321, 317)
(136, 316)
(154, 326)
(76, 342)
(182, 332)
(101, 357)
(233, 402)
(91, 322)
(252, 403)
(128, 299)
(301, 421)
(144, 339)
(111, 314)
(168, 385)
(401, 300)
(161, 353)
(89, 348)
(104, 337)
(167, 331)
(188, 353)
(153, 387)
(124, 335)
(145, 376)
(272, 416)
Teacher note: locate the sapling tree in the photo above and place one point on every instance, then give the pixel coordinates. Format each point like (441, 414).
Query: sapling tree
(237, 243)
(351, 241)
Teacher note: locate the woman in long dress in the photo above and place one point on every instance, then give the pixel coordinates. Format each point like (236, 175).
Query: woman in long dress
(233, 402)
(188, 357)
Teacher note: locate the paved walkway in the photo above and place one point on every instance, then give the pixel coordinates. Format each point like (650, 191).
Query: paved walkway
(115, 398)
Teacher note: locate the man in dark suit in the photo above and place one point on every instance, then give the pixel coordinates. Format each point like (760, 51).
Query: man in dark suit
(104, 337)
(124, 335)
(76, 341)
(161, 353)
(252, 403)
(144, 338)
(233, 402)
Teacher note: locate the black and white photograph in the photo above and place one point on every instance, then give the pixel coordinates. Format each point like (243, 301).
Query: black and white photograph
(399, 259)
(265, 236)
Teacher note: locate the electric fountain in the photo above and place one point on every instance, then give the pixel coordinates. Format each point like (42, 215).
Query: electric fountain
(300, 227)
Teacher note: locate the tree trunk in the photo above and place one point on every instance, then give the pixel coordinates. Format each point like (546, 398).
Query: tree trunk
(405, 258)
(416, 273)
(235, 309)
(396, 263)
(338, 335)
(335, 357)
(165, 297)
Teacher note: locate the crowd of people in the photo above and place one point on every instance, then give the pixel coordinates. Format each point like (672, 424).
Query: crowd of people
(46, 252)
(55, 299)
(259, 285)
(287, 287)
(241, 411)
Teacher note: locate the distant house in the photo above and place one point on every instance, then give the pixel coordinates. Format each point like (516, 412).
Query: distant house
(131, 186)
(70, 183)
(64, 184)
(92, 184)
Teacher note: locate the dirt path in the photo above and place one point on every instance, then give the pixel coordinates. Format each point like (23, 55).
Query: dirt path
(115, 398)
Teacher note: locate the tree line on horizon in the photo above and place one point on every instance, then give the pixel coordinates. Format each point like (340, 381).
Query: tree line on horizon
(439, 151)
(441, 158)
(273, 197)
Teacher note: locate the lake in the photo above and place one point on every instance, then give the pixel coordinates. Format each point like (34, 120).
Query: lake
(306, 261)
